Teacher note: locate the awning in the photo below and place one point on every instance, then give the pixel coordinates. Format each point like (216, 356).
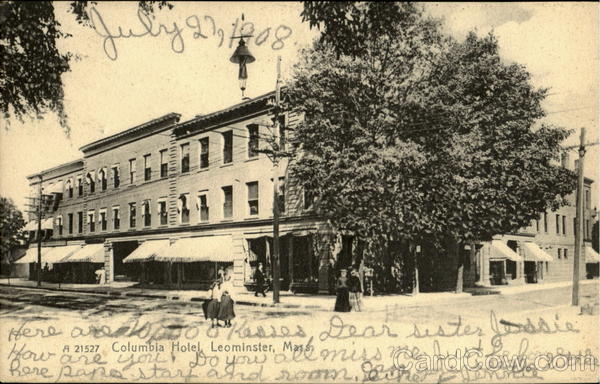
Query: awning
(31, 226)
(147, 251)
(501, 251)
(31, 255)
(59, 254)
(54, 188)
(91, 253)
(196, 249)
(534, 253)
(48, 223)
(591, 256)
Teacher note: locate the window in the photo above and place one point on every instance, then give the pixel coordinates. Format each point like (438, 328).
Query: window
(252, 140)
(70, 188)
(162, 212)
(587, 229)
(564, 225)
(185, 157)
(91, 182)
(545, 222)
(59, 224)
(103, 219)
(116, 218)
(132, 169)
(79, 222)
(183, 208)
(147, 168)
(204, 152)
(164, 163)
(566, 253)
(103, 179)
(132, 215)
(203, 207)
(558, 252)
(227, 202)
(70, 223)
(253, 198)
(146, 213)
(309, 199)
(91, 221)
(79, 186)
(227, 147)
(537, 225)
(116, 176)
(557, 224)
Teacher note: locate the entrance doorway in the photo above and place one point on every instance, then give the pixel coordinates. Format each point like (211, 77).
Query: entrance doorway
(124, 271)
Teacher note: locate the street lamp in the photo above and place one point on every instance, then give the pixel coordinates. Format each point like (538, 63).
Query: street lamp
(242, 56)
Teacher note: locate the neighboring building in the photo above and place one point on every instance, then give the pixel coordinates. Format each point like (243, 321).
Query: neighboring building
(170, 202)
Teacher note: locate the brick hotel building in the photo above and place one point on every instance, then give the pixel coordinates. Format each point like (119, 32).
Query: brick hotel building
(170, 202)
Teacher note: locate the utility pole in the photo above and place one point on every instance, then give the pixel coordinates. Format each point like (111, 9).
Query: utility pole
(579, 220)
(39, 237)
(276, 271)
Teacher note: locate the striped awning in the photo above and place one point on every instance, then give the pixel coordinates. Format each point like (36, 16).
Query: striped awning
(591, 256)
(147, 251)
(90, 253)
(31, 226)
(197, 249)
(534, 253)
(32, 254)
(60, 254)
(48, 223)
(502, 251)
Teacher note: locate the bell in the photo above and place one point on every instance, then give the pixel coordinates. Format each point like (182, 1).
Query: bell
(242, 54)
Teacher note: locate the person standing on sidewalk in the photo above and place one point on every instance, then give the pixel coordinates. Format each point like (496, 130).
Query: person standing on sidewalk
(355, 288)
(226, 313)
(212, 309)
(259, 278)
(342, 300)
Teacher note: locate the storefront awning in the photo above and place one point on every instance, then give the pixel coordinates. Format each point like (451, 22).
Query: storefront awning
(91, 253)
(591, 256)
(32, 254)
(196, 249)
(147, 251)
(31, 226)
(534, 253)
(48, 223)
(502, 251)
(60, 254)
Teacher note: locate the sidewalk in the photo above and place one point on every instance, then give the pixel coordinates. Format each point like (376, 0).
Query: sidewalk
(288, 300)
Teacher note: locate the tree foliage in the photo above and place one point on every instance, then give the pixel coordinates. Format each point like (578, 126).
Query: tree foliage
(32, 66)
(411, 135)
(11, 223)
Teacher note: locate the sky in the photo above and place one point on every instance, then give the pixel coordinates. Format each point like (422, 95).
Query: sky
(115, 87)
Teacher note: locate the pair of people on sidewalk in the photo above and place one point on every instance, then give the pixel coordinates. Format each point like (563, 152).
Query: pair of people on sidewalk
(348, 292)
(221, 304)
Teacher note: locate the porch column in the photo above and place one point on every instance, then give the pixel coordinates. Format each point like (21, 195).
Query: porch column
(291, 259)
(484, 266)
(521, 277)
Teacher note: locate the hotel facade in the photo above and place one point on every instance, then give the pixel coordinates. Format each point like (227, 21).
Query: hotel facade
(170, 202)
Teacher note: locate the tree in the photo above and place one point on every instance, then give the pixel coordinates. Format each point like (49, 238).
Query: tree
(411, 136)
(32, 65)
(11, 223)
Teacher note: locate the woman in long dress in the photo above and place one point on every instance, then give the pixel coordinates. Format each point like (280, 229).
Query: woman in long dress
(355, 288)
(342, 300)
(212, 309)
(226, 312)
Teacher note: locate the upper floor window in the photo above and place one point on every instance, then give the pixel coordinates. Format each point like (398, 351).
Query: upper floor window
(116, 216)
(70, 223)
(147, 168)
(252, 140)
(103, 179)
(227, 147)
(204, 152)
(309, 198)
(79, 186)
(545, 222)
(79, 222)
(183, 208)
(132, 170)
(132, 215)
(116, 176)
(227, 202)
(162, 211)
(91, 181)
(203, 207)
(92, 221)
(70, 188)
(146, 213)
(185, 157)
(59, 224)
(253, 198)
(564, 225)
(103, 219)
(164, 163)
(557, 224)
